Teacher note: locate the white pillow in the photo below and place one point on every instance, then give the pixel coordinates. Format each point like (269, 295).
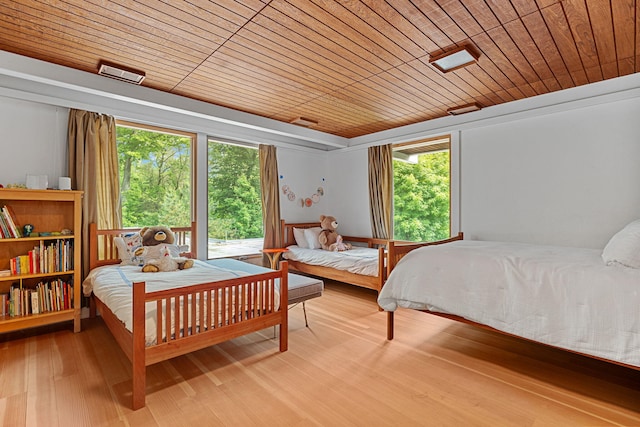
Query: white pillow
(127, 245)
(311, 235)
(301, 241)
(624, 247)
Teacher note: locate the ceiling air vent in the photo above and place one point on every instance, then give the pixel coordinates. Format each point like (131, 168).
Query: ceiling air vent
(301, 121)
(121, 73)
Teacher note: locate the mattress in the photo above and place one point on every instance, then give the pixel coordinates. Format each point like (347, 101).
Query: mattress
(358, 260)
(565, 297)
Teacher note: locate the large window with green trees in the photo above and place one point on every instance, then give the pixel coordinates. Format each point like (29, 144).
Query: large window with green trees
(155, 176)
(421, 190)
(234, 200)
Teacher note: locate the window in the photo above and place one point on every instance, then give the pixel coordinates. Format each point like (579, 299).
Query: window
(155, 176)
(421, 190)
(234, 201)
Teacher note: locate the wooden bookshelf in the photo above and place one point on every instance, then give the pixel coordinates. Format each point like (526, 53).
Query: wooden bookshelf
(49, 211)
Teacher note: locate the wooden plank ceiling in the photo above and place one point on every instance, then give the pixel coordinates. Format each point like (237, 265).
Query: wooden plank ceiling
(355, 67)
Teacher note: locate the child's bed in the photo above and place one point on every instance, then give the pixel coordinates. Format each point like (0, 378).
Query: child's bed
(570, 298)
(364, 265)
(158, 316)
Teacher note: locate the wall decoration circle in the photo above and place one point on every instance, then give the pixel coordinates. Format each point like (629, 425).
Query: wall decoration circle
(302, 201)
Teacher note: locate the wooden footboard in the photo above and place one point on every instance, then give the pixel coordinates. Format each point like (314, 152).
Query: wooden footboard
(194, 317)
(370, 282)
(397, 250)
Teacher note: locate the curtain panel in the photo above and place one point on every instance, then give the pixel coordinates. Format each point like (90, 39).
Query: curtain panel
(270, 199)
(93, 168)
(381, 191)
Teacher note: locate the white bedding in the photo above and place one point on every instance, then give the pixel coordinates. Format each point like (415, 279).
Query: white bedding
(113, 286)
(357, 260)
(566, 297)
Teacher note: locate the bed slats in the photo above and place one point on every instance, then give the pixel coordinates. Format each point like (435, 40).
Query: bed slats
(193, 310)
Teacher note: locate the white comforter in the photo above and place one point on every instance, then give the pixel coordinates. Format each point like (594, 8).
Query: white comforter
(358, 260)
(566, 297)
(113, 286)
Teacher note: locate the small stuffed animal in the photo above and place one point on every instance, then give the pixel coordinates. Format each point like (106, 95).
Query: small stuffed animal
(329, 238)
(157, 248)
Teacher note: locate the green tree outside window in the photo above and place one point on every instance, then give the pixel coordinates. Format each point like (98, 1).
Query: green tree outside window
(421, 198)
(235, 205)
(155, 178)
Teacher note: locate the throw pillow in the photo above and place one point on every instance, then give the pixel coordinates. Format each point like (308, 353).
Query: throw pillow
(624, 247)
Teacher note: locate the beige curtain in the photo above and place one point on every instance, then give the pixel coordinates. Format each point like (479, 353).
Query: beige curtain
(93, 168)
(270, 198)
(381, 191)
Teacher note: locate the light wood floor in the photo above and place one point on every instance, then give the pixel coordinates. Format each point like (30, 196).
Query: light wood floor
(338, 372)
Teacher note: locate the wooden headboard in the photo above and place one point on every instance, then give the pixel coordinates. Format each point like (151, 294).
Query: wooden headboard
(103, 251)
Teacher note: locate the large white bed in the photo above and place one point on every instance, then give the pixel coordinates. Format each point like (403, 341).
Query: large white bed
(569, 298)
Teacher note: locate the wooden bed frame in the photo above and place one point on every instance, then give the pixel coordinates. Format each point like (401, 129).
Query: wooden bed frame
(370, 282)
(258, 313)
(398, 251)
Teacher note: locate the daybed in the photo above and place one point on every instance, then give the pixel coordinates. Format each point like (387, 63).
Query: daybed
(364, 265)
(300, 288)
(158, 316)
(582, 300)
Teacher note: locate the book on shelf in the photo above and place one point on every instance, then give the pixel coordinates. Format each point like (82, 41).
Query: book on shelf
(35, 302)
(4, 301)
(14, 227)
(4, 228)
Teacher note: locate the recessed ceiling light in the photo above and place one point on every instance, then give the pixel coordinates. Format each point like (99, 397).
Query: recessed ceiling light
(467, 108)
(454, 59)
(121, 73)
(301, 121)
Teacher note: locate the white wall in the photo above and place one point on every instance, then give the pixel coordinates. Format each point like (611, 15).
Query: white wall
(570, 178)
(348, 184)
(304, 172)
(33, 141)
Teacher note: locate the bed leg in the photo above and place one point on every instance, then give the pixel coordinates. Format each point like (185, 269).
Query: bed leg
(284, 337)
(138, 364)
(139, 384)
(304, 310)
(389, 325)
(284, 309)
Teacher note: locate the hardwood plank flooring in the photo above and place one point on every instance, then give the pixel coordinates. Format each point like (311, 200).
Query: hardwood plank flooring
(339, 371)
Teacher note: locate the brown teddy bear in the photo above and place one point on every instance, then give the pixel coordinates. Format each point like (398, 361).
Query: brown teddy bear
(159, 252)
(329, 238)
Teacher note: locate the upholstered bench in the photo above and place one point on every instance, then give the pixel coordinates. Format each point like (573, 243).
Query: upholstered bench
(301, 288)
